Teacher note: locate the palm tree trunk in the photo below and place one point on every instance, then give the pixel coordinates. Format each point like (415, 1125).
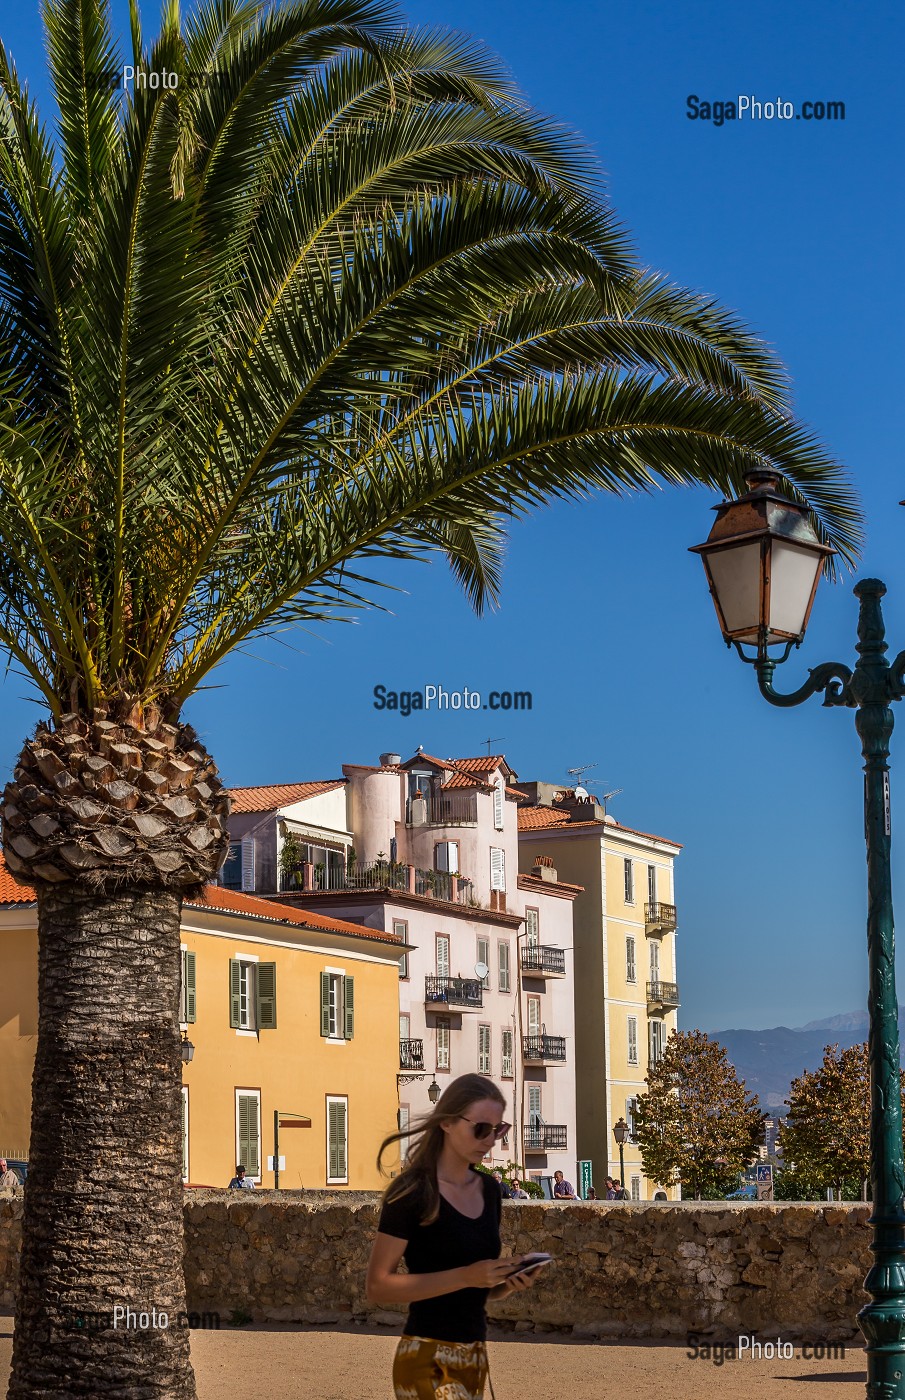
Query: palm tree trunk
(103, 1204)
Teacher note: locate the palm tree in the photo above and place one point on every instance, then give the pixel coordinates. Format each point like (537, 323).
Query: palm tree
(337, 296)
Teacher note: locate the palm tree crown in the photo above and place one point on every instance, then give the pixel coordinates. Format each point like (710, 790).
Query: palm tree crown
(339, 294)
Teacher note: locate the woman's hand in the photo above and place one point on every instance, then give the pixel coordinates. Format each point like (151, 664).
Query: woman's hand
(489, 1273)
(518, 1284)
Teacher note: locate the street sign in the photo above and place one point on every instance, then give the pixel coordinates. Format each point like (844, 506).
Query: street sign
(585, 1179)
(764, 1178)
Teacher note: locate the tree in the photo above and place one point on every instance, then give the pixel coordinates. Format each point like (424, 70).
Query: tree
(330, 294)
(826, 1134)
(696, 1124)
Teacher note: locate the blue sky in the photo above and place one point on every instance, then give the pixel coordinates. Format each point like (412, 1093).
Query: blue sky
(605, 616)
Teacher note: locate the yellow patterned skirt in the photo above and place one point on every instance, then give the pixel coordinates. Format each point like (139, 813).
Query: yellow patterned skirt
(425, 1369)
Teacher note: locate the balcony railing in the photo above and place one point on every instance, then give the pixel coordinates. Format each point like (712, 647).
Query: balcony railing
(541, 1048)
(662, 994)
(659, 918)
(454, 991)
(411, 1054)
(542, 961)
(545, 1137)
(382, 875)
(454, 809)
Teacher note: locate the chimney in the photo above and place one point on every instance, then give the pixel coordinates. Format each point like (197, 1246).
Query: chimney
(544, 869)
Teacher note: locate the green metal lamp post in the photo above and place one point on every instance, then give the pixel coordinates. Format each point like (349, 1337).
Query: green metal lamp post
(763, 562)
(621, 1132)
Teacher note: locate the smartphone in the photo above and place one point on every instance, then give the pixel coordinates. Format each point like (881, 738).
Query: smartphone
(530, 1263)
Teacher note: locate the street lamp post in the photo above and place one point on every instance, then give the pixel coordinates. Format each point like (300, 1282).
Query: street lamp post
(621, 1133)
(763, 563)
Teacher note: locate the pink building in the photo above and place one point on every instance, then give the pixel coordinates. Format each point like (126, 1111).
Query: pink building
(428, 849)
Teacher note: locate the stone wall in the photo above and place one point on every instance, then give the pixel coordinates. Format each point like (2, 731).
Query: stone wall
(622, 1270)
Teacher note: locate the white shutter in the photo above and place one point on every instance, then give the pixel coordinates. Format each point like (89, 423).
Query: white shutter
(633, 1040)
(442, 955)
(630, 973)
(630, 1106)
(652, 884)
(534, 1015)
(442, 1042)
(654, 960)
(484, 957)
(405, 1025)
(483, 1049)
(532, 927)
(498, 797)
(403, 1125)
(656, 1041)
(534, 1117)
(248, 863)
(506, 1069)
(497, 868)
(503, 983)
(447, 857)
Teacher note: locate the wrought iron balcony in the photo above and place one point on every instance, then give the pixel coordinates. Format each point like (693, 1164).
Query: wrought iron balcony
(442, 809)
(539, 960)
(454, 991)
(545, 1137)
(539, 1049)
(662, 994)
(659, 918)
(411, 1054)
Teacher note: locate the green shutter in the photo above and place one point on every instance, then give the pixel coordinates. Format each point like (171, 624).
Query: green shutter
(325, 1003)
(188, 982)
(336, 1140)
(266, 997)
(248, 1135)
(235, 987)
(349, 1004)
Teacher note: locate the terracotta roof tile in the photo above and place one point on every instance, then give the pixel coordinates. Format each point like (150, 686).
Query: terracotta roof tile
(484, 763)
(274, 795)
(533, 818)
(534, 882)
(11, 892)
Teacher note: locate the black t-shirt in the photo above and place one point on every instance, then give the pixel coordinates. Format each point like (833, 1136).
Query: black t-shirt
(452, 1241)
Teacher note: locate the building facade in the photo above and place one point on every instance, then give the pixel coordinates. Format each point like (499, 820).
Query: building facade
(625, 978)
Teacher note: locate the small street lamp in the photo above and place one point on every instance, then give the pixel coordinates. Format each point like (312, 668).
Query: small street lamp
(622, 1133)
(433, 1090)
(763, 562)
(187, 1049)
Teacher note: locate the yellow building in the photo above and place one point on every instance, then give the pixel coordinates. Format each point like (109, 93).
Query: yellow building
(626, 983)
(289, 1012)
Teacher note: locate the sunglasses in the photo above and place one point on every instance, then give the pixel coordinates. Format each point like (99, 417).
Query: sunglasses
(485, 1130)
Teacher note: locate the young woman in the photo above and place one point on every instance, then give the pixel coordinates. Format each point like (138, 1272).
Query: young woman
(443, 1217)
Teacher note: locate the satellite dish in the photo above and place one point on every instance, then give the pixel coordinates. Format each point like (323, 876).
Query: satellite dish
(481, 970)
(581, 793)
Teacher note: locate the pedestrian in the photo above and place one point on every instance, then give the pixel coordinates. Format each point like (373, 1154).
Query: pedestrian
(608, 1190)
(504, 1185)
(619, 1191)
(592, 1194)
(240, 1181)
(563, 1190)
(8, 1179)
(518, 1191)
(442, 1216)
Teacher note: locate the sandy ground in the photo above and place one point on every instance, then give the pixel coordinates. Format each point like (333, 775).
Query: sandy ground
(354, 1363)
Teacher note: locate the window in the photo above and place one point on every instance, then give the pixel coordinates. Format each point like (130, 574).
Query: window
(532, 927)
(185, 1132)
(497, 868)
(231, 871)
(484, 957)
(442, 954)
(629, 883)
(654, 960)
(442, 1042)
(337, 1139)
(655, 1034)
(503, 957)
(534, 1016)
(630, 970)
(401, 930)
(446, 857)
(337, 1006)
(248, 863)
(652, 884)
(252, 995)
(187, 988)
(535, 1121)
(506, 1058)
(630, 1106)
(484, 1049)
(498, 797)
(636, 1188)
(404, 1117)
(405, 1026)
(248, 1131)
(633, 1040)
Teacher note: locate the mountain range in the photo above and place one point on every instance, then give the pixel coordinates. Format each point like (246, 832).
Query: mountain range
(769, 1060)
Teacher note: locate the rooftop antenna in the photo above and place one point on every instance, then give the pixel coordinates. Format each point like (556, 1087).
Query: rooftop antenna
(578, 773)
(606, 797)
(488, 742)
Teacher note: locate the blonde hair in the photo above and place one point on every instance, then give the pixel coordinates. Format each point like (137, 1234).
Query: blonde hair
(419, 1170)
